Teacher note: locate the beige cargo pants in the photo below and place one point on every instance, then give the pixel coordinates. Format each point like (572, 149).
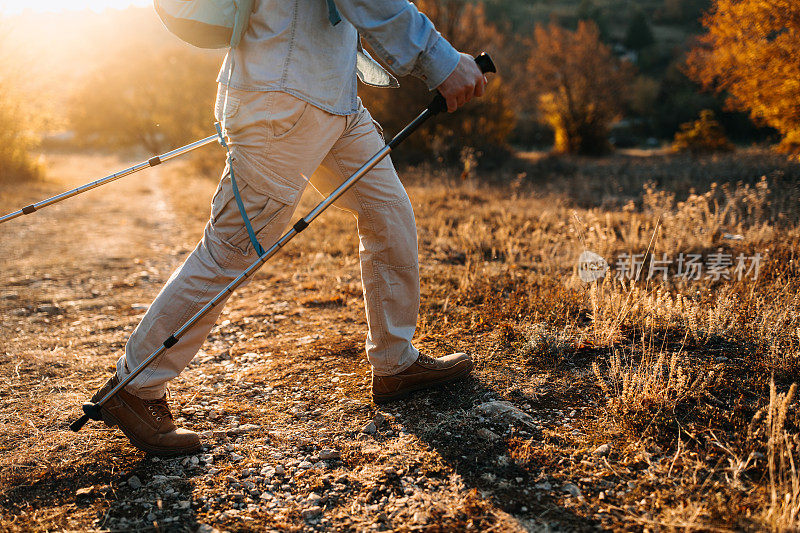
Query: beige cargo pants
(276, 139)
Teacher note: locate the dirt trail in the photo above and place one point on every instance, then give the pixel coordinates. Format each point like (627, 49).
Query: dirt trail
(279, 392)
(121, 219)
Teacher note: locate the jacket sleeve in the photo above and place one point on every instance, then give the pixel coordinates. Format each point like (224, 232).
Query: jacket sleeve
(403, 38)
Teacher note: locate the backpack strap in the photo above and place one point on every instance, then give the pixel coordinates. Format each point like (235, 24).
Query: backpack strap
(253, 239)
(333, 13)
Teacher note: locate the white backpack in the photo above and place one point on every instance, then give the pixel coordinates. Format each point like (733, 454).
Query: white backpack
(222, 23)
(206, 23)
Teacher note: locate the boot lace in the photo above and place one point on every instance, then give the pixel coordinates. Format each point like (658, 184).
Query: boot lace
(158, 409)
(426, 359)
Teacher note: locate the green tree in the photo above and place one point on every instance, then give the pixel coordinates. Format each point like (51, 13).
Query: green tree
(639, 34)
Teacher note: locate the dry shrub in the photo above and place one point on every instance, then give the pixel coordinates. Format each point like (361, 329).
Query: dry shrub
(648, 393)
(114, 109)
(783, 512)
(548, 345)
(16, 142)
(17, 139)
(484, 125)
(702, 219)
(703, 136)
(578, 85)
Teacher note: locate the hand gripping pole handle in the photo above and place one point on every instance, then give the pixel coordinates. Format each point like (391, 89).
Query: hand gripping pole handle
(92, 409)
(485, 63)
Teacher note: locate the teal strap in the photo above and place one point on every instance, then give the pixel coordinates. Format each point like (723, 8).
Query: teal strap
(333, 13)
(256, 245)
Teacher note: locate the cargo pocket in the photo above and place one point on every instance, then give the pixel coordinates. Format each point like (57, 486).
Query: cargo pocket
(265, 206)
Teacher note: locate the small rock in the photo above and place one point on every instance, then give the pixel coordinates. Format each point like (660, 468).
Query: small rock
(379, 419)
(488, 434)
(572, 489)
(140, 307)
(312, 512)
(151, 517)
(543, 486)
(505, 411)
(134, 482)
(419, 517)
(280, 470)
(304, 465)
(602, 451)
(235, 457)
(49, 309)
(370, 428)
(328, 454)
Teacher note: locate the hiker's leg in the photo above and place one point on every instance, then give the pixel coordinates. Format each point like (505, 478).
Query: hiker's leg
(387, 243)
(270, 154)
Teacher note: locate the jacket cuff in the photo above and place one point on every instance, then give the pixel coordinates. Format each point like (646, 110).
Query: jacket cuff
(437, 63)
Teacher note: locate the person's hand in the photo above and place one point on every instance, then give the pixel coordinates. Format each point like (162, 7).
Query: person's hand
(466, 82)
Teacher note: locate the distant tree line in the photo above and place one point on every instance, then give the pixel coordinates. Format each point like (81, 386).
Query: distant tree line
(586, 77)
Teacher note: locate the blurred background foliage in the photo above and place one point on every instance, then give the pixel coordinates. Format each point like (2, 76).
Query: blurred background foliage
(576, 76)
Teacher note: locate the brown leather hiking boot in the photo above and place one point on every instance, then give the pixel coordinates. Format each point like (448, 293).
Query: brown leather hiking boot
(147, 423)
(425, 372)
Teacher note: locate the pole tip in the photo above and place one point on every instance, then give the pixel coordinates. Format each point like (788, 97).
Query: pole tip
(79, 423)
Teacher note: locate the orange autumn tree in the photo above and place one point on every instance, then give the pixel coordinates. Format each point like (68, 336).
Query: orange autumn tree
(483, 125)
(751, 53)
(578, 84)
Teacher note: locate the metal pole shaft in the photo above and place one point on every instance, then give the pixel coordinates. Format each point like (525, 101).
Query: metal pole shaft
(438, 105)
(153, 161)
(288, 236)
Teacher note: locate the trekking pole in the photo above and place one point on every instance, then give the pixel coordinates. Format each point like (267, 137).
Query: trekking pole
(92, 410)
(153, 161)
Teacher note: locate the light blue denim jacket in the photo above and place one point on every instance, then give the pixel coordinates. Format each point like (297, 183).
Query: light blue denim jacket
(292, 46)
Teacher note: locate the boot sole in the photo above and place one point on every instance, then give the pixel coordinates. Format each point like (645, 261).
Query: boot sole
(405, 393)
(111, 421)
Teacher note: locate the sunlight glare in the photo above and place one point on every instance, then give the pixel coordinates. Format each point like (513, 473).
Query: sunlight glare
(9, 7)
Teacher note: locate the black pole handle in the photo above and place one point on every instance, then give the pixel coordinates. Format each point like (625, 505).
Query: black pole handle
(485, 63)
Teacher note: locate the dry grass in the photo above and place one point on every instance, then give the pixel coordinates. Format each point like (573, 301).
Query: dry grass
(674, 375)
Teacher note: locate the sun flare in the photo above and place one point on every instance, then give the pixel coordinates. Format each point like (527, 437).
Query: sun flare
(8, 7)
